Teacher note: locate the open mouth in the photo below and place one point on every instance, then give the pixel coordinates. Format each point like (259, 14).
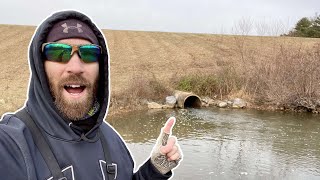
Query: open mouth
(74, 89)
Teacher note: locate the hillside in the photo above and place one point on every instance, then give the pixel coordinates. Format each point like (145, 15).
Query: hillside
(144, 55)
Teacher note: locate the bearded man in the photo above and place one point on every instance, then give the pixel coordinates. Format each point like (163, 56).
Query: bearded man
(60, 133)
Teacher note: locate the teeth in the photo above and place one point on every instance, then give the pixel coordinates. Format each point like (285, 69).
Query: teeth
(73, 86)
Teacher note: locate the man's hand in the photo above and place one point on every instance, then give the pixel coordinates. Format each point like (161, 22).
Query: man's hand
(167, 153)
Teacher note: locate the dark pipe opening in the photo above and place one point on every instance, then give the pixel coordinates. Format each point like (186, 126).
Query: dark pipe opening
(192, 102)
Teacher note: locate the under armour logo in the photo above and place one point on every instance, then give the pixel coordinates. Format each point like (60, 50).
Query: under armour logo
(66, 28)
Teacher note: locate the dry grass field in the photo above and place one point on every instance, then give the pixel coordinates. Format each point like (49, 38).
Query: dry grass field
(166, 57)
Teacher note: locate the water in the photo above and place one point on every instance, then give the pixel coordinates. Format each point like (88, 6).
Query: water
(230, 144)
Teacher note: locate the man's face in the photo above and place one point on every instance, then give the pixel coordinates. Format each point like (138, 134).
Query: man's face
(73, 85)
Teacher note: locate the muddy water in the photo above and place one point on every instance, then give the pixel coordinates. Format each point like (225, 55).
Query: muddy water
(231, 144)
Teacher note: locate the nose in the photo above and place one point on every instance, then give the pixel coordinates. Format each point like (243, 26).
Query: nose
(75, 65)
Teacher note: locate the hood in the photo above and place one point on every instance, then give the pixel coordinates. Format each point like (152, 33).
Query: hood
(40, 103)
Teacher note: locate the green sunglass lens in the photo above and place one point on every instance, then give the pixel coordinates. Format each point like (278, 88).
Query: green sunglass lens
(57, 52)
(89, 53)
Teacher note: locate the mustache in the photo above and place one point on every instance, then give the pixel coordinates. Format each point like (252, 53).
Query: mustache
(74, 79)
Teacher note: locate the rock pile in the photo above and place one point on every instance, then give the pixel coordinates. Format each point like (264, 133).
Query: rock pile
(172, 102)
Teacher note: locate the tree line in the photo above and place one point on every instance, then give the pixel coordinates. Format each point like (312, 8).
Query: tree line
(306, 27)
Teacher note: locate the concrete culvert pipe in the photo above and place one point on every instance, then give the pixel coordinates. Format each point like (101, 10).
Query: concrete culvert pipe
(187, 99)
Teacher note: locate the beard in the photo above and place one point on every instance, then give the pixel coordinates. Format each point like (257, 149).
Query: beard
(73, 110)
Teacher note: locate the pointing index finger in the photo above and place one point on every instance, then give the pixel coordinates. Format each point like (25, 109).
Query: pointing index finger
(169, 125)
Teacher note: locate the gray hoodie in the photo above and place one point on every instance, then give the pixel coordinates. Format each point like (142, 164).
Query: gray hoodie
(79, 154)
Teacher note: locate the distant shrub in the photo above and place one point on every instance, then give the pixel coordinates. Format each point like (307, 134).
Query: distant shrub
(293, 76)
(158, 90)
(289, 77)
(186, 83)
(141, 89)
(201, 84)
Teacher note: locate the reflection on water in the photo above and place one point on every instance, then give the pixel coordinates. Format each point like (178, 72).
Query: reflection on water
(230, 144)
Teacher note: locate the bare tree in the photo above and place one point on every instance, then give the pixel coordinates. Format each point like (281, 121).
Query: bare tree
(243, 26)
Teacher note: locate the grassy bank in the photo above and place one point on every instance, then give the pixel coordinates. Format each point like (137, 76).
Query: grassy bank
(274, 73)
(266, 71)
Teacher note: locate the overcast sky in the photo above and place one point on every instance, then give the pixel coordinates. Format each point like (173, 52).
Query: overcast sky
(195, 16)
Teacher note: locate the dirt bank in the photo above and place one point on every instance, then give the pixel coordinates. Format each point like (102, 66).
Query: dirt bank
(137, 57)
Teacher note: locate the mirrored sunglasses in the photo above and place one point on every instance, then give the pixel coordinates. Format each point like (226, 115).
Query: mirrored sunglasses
(60, 52)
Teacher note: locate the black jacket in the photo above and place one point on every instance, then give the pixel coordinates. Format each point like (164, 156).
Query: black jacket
(80, 155)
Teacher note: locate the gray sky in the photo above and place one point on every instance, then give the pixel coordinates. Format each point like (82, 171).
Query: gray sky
(262, 17)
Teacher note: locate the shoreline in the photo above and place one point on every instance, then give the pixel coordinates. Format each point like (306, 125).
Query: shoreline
(114, 111)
